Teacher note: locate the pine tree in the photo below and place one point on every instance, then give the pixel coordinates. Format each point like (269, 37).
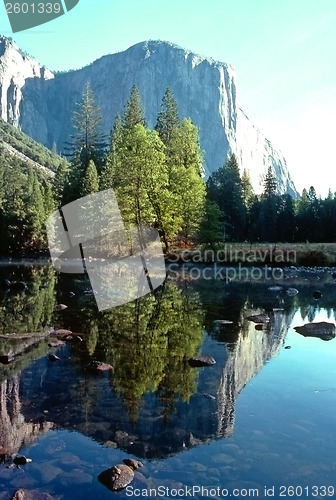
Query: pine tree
(211, 229)
(59, 182)
(87, 144)
(134, 112)
(270, 184)
(247, 189)
(107, 176)
(90, 182)
(226, 189)
(86, 121)
(168, 118)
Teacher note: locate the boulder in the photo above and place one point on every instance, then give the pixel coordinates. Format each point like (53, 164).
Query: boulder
(61, 307)
(116, 478)
(259, 318)
(99, 367)
(322, 330)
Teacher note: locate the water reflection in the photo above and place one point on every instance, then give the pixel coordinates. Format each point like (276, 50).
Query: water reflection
(154, 404)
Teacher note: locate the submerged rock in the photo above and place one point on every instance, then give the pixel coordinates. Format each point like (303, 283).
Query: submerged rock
(322, 330)
(317, 294)
(197, 361)
(56, 343)
(119, 476)
(292, 291)
(133, 463)
(31, 495)
(76, 339)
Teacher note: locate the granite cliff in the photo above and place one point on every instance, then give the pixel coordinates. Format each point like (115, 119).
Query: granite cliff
(41, 102)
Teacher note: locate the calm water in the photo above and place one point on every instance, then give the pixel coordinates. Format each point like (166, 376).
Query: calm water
(262, 417)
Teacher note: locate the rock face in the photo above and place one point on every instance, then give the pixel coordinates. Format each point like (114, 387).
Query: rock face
(41, 102)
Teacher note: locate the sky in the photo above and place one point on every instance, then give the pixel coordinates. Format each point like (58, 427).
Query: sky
(283, 51)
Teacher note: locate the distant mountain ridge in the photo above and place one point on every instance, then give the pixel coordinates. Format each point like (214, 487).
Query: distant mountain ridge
(41, 102)
(33, 154)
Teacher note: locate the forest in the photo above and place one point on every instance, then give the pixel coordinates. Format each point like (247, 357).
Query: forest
(158, 178)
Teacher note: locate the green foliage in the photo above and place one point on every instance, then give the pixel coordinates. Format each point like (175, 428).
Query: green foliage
(87, 145)
(168, 118)
(184, 161)
(270, 185)
(90, 181)
(134, 112)
(25, 203)
(211, 229)
(226, 189)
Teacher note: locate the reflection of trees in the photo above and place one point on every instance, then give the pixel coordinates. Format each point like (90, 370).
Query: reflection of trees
(30, 310)
(148, 341)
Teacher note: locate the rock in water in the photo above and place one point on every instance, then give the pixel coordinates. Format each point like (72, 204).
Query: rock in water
(117, 477)
(31, 495)
(99, 367)
(53, 357)
(61, 332)
(61, 307)
(292, 291)
(197, 361)
(322, 330)
(317, 294)
(133, 463)
(56, 343)
(72, 338)
(259, 318)
(21, 460)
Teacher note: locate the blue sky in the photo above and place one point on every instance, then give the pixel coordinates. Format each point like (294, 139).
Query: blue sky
(283, 51)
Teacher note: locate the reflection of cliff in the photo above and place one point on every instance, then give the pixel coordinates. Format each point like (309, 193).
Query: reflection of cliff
(245, 360)
(14, 431)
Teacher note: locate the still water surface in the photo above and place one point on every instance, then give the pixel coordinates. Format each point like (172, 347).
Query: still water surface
(263, 416)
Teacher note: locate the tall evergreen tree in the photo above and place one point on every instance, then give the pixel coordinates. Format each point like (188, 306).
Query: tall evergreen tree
(87, 144)
(90, 181)
(168, 118)
(270, 184)
(247, 189)
(134, 112)
(113, 156)
(226, 189)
